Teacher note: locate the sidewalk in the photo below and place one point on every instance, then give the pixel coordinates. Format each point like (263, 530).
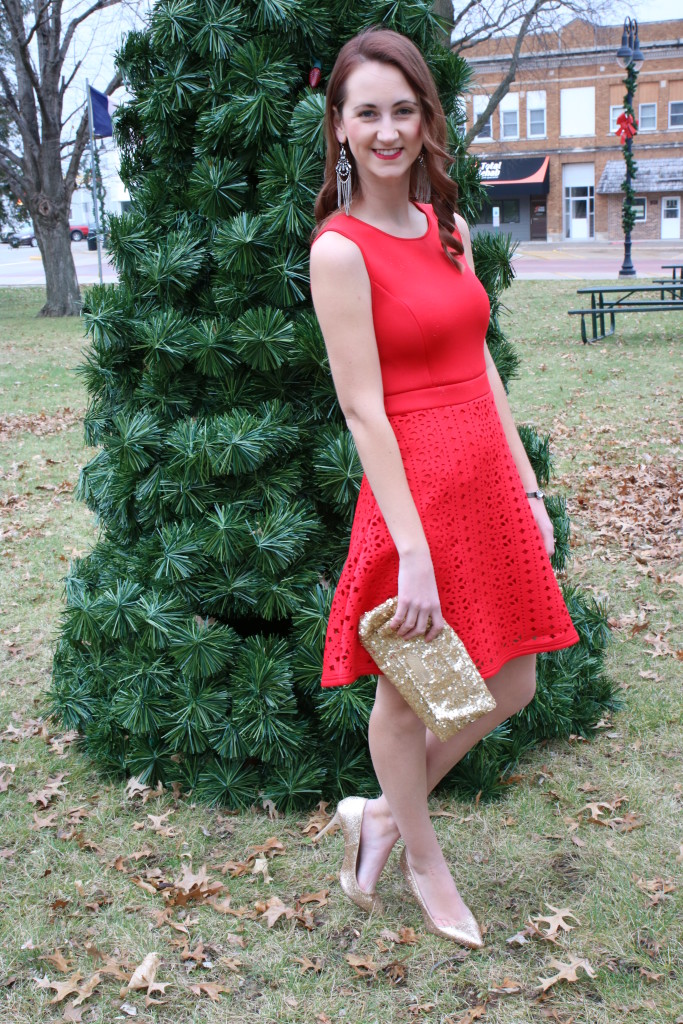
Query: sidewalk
(593, 260)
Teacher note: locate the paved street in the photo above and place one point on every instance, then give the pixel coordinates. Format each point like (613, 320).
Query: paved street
(593, 260)
(533, 260)
(25, 266)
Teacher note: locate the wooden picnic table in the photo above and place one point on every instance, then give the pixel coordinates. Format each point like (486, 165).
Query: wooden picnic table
(607, 300)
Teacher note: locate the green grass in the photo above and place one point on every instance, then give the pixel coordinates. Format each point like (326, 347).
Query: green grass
(613, 405)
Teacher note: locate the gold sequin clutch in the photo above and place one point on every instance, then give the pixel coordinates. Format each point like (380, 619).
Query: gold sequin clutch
(437, 679)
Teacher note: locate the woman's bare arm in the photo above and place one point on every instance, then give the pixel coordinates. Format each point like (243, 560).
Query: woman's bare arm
(342, 298)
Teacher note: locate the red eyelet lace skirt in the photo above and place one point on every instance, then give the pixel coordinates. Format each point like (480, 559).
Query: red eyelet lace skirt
(496, 585)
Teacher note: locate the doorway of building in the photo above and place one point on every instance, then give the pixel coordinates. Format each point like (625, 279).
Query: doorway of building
(671, 217)
(579, 205)
(539, 219)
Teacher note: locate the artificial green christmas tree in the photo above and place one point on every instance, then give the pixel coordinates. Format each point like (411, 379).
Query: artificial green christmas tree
(225, 481)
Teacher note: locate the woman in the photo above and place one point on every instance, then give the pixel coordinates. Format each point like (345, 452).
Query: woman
(449, 513)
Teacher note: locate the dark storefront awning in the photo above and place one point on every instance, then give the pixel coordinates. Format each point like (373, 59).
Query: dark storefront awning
(516, 176)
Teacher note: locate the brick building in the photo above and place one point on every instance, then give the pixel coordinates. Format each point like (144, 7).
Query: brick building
(549, 153)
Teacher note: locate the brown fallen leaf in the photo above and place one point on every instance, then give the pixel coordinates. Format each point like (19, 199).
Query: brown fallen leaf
(57, 960)
(395, 972)
(307, 964)
(52, 790)
(210, 988)
(144, 973)
(566, 972)
(273, 909)
(86, 990)
(555, 922)
(260, 867)
(364, 966)
(315, 897)
(72, 1014)
(316, 823)
(507, 987)
(62, 988)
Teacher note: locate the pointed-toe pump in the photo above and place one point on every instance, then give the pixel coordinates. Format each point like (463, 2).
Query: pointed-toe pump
(467, 933)
(349, 815)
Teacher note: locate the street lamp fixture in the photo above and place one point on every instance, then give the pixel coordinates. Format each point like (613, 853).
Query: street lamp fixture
(629, 57)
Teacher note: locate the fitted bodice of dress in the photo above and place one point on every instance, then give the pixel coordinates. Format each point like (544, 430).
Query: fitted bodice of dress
(430, 318)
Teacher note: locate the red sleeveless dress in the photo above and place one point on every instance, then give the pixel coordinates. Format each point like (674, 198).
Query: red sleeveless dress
(496, 585)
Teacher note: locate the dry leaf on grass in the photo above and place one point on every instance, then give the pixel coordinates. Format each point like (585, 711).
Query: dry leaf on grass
(315, 897)
(209, 988)
(474, 1013)
(85, 991)
(261, 868)
(273, 909)
(566, 972)
(58, 961)
(52, 790)
(144, 975)
(658, 889)
(395, 972)
(555, 922)
(364, 966)
(316, 823)
(507, 987)
(62, 988)
(307, 964)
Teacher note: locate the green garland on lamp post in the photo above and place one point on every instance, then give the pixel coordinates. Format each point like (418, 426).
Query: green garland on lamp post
(630, 57)
(628, 213)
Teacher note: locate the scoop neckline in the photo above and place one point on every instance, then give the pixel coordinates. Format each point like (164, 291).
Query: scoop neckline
(400, 238)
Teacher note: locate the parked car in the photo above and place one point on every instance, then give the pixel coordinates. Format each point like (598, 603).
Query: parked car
(78, 231)
(25, 236)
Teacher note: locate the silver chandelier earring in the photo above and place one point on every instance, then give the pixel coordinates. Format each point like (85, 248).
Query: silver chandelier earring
(423, 185)
(343, 169)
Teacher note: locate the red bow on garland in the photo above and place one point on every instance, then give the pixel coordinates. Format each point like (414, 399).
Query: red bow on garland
(627, 127)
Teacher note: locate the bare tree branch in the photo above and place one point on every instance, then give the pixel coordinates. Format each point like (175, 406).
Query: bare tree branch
(514, 14)
(73, 25)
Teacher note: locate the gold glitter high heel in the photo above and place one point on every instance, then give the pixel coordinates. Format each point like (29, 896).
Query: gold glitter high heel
(467, 934)
(349, 815)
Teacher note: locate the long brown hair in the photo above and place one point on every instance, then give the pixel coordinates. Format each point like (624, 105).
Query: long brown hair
(388, 47)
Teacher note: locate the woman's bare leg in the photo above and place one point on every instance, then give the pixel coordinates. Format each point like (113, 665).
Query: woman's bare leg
(399, 756)
(512, 687)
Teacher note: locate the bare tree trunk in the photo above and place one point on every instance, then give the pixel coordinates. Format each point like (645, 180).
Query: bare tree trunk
(49, 210)
(54, 240)
(444, 9)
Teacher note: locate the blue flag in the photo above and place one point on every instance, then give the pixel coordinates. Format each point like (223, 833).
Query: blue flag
(102, 109)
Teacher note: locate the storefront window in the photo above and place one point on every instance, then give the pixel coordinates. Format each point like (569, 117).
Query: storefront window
(509, 213)
(640, 207)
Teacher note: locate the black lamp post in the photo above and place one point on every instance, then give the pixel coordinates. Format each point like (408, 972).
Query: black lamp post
(630, 57)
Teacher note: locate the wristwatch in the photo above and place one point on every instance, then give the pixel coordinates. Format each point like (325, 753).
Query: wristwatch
(535, 494)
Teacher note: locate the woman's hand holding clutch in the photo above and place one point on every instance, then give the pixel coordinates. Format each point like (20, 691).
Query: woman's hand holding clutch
(419, 609)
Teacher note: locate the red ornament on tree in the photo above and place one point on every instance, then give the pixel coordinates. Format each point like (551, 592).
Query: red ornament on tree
(627, 127)
(315, 74)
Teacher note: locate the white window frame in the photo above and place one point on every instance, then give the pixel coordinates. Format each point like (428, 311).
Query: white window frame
(614, 112)
(640, 202)
(534, 105)
(653, 103)
(676, 103)
(565, 109)
(509, 105)
(483, 100)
